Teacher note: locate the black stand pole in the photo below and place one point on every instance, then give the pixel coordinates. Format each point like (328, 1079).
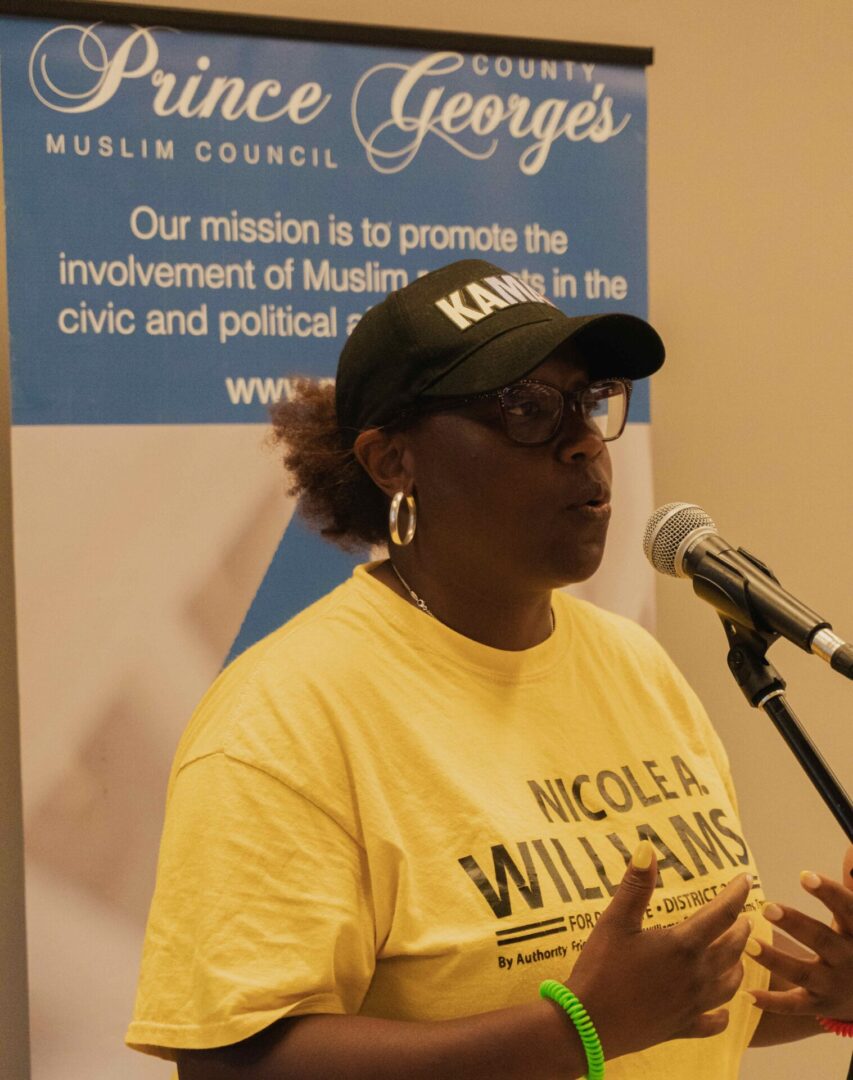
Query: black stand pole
(764, 688)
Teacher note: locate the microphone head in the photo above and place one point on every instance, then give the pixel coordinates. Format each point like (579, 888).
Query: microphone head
(666, 532)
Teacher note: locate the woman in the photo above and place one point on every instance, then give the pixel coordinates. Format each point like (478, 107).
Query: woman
(395, 818)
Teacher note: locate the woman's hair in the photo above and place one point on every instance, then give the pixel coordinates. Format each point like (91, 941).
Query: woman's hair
(336, 495)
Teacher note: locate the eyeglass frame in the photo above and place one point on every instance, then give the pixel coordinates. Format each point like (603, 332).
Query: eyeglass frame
(570, 397)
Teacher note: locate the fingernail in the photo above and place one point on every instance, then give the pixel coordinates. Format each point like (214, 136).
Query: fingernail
(809, 879)
(750, 998)
(772, 912)
(752, 947)
(642, 857)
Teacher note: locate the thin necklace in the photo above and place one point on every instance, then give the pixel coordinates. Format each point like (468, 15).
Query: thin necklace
(421, 604)
(418, 602)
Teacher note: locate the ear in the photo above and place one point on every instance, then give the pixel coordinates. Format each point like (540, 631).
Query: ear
(387, 459)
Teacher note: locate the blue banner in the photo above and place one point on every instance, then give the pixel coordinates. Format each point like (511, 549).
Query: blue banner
(195, 218)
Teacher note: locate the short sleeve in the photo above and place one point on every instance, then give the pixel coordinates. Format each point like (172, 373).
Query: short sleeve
(262, 909)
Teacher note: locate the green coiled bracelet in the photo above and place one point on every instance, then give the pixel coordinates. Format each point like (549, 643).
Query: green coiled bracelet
(584, 1026)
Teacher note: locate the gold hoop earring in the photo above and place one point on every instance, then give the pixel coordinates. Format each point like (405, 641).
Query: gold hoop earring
(394, 519)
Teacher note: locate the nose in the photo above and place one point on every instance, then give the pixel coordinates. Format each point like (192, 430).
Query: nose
(578, 440)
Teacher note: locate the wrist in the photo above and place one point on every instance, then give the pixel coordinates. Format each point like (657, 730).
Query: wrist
(574, 1009)
(554, 1029)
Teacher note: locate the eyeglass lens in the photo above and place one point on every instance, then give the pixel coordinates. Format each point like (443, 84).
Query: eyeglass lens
(532, 411)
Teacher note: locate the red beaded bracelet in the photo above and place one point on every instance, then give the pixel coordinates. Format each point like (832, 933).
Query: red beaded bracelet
(837, 1027)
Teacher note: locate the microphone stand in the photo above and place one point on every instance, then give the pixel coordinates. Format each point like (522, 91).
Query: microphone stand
(764, 688)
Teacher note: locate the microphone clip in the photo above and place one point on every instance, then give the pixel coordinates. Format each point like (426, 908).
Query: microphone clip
(747, 659)
(748, 643)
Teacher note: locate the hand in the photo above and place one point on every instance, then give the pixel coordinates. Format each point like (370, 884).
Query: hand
(823, 981)
(643, 987)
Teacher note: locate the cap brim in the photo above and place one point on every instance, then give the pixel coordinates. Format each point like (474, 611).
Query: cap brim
(615, 344)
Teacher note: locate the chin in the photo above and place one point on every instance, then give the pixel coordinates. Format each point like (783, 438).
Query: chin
(580, 567)
(579, 552)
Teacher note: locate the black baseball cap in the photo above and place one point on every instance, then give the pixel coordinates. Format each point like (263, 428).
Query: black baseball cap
(467, 328)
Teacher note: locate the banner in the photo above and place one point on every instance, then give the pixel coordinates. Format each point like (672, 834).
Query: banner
(194, 219)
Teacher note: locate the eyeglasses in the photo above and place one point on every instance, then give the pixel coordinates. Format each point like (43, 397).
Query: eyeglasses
(532, 411)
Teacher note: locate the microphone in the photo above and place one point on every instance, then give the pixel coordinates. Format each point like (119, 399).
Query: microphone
(682, 540)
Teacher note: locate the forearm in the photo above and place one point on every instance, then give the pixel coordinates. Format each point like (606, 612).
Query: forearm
(775, 1028)
(510, 1044)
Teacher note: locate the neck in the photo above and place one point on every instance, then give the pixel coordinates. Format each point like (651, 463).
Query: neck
(492, 616)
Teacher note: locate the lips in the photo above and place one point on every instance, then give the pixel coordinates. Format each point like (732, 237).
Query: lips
(594, 496)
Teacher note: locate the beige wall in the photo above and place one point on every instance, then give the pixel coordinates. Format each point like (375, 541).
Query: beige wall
(749, 210)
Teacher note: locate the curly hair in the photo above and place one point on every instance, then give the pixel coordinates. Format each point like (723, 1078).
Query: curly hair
(336, 495)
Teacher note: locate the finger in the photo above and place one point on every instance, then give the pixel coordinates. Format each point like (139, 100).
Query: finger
(716, 917)
(796, 1002)
(722, 987)
(828, 987)
(847, 868)
(729, 946)
(631, 899)
(706, 1025)
(800, 970)
(819, 937)
(837, 897)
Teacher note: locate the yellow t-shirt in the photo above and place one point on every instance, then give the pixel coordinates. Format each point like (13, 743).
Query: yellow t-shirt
(370, 813)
